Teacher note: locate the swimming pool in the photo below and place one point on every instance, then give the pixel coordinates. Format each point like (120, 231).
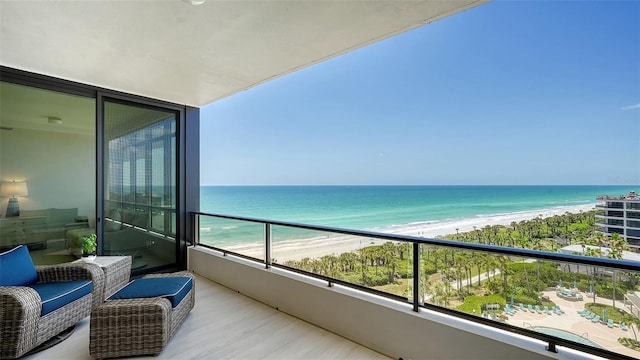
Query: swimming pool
(563, 334)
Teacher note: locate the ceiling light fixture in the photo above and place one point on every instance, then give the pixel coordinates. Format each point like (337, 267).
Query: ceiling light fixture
(54, 120)
(195, 2)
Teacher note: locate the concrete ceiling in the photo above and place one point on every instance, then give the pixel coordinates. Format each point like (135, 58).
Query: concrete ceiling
(194, 55)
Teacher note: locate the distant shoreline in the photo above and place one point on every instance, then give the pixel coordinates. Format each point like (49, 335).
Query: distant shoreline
(336, 244)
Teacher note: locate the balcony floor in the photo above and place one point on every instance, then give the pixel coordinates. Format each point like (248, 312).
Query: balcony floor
(228, 325)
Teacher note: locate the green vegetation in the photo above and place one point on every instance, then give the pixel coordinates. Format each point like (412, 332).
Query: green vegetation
(630, 343)
(477, 304)
(614, 314)
(468, 280)
(89, 244)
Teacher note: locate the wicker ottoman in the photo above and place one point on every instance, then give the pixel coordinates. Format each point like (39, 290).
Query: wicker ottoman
(139, 325)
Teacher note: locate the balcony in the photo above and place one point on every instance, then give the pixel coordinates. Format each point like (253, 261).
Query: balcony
(633, 214)
(294, 307)
(414, 310)
(228, 325)
(615, 205)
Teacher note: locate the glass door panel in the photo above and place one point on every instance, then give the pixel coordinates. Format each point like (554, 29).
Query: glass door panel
(139, 183)
(48, 145)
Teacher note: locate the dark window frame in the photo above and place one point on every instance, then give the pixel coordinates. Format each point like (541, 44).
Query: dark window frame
(187, 181)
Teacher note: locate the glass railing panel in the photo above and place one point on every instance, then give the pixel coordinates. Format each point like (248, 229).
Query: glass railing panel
(473, 282)
(377, 264)
(589, 305)
(596, 306)
(238, 236)
(158, 220)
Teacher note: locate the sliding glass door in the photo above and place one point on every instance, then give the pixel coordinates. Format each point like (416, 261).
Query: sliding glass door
(139, 172)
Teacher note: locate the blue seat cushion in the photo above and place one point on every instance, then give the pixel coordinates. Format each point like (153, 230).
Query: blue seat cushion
(16, 267)
(55, 295)
(172, 288)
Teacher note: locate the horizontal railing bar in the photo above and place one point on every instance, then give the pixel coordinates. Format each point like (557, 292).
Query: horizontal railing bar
(133, 204)
(545, 255)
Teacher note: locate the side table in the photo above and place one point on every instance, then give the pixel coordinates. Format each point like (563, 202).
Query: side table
(117, 271)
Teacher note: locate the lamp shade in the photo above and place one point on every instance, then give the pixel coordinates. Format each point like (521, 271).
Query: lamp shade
(14, 188)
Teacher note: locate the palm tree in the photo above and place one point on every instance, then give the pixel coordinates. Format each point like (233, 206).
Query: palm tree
(363, 264)
(617, 244)
(634, 323)
(465, 263)
(502, 264)
(459, 272)
(305, 264)
(388, 256)
(477, 259)
(347, 261)
(490, 264)
(526, 274)
(442, 291)
(599, 239)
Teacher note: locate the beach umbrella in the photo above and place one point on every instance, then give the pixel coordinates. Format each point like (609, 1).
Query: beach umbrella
(590, 289)
(604, 315)
(574, 284)
(560, 282)
(511, 299)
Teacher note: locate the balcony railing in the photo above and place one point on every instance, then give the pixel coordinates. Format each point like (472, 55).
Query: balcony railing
(156, 219)
(581, 302)
(614, 205)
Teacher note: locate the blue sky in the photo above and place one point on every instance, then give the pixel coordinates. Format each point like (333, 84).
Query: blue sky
(539, 92)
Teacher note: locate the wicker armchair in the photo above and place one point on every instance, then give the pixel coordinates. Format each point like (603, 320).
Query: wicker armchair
(138, 326)
(21, 320)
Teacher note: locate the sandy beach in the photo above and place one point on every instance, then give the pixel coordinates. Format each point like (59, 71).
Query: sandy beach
(335, 244)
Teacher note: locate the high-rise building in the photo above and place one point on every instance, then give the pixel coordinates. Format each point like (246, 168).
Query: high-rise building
(621, 215)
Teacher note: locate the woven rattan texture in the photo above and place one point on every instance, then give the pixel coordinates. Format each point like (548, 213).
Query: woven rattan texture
(22, 326)
(116, 276)
(131, 327)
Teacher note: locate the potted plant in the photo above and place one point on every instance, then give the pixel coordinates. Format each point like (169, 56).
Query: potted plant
(89, 246)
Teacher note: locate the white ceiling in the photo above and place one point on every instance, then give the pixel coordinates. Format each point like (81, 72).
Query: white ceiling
(194, 55)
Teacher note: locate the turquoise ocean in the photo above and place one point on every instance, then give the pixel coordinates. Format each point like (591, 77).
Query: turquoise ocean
(376, 208)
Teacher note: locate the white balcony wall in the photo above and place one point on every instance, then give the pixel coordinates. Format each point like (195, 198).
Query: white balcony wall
(388, 327)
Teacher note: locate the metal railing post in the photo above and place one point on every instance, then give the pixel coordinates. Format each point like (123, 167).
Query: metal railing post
(196, 229)
(416, 277)
(267, 245)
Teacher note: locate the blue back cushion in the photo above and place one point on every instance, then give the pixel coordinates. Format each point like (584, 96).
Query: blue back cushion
(55, 295)
(16, 267)
(172, 288)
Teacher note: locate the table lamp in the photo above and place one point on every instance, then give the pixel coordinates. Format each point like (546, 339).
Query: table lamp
(12, 189)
